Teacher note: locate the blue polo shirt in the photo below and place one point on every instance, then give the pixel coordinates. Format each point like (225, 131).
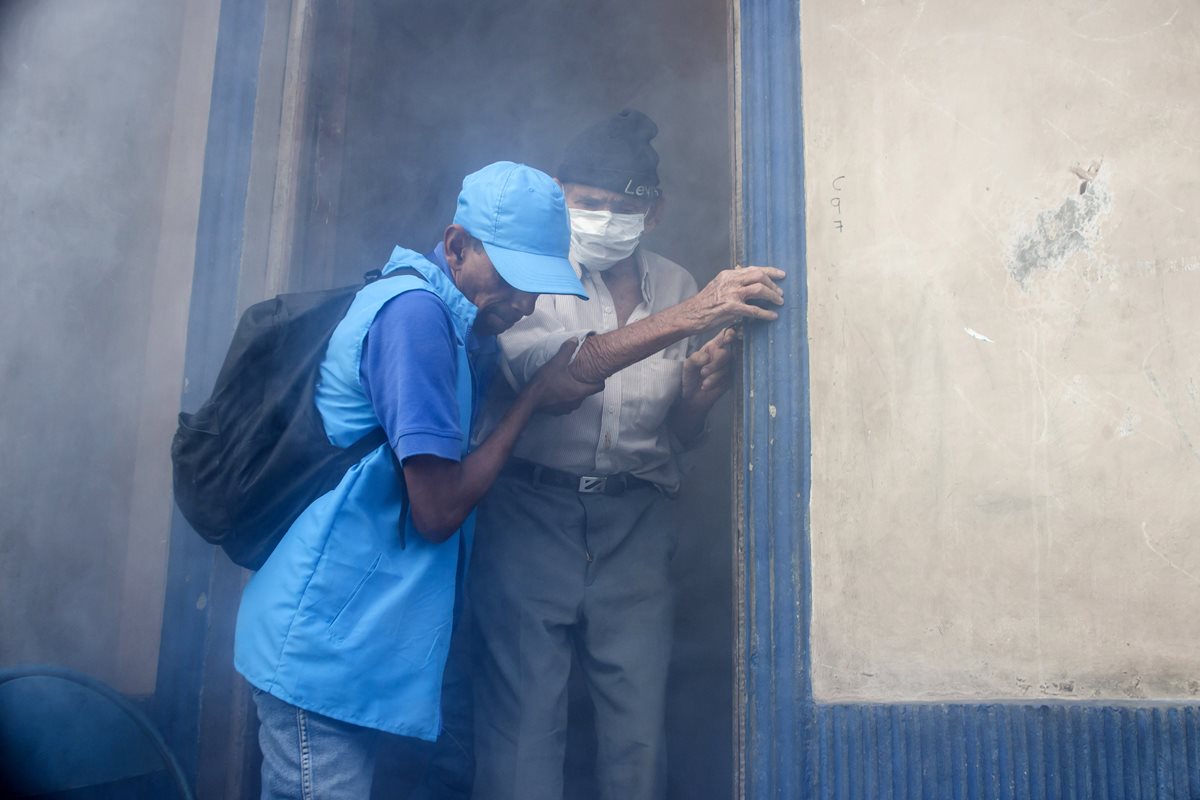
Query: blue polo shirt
(403, 371)
(351, 616)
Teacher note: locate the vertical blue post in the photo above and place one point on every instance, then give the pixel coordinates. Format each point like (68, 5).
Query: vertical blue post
(184, 651)
(776, 711)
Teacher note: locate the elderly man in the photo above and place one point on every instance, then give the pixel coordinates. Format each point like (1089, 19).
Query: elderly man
(344, 631)
(576, 536)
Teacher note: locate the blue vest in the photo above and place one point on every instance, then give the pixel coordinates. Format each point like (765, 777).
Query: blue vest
(348, 618)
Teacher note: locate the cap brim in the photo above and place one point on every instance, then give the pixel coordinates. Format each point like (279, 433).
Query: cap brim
(534, 273)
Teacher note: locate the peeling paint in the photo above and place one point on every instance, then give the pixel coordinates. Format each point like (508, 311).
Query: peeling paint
(1057, 688)
(1128, 423)
(1168, 266)
(1056, 234)
(771, 410)
(977, 335)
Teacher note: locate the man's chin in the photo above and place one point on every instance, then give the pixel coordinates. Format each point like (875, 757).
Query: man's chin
(490, 324)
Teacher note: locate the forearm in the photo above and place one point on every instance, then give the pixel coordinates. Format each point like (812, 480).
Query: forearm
(686, 420)
(734, 294)
(605, 354)
(443, 493)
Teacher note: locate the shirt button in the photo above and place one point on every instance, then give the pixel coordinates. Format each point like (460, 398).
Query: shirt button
(607, 309)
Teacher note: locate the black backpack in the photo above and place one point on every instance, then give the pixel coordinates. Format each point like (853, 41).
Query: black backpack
(256, 455)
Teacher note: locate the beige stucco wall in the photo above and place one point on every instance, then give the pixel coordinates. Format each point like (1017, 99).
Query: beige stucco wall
(1005, 362)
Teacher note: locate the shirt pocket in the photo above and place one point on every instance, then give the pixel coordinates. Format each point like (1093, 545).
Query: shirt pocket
(342, 576)
(654, 384)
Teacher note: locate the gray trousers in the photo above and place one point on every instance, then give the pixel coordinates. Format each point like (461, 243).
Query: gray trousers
(555, 571)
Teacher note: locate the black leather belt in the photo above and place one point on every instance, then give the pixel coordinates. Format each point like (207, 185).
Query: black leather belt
(611, 485)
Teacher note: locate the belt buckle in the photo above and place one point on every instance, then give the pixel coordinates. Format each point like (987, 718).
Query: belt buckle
(592, 484)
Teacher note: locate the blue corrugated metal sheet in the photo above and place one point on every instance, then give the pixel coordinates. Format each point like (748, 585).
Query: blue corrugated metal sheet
(791, 747)
(1070, 751)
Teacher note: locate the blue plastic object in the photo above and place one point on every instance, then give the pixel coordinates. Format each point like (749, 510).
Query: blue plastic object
(61, 731)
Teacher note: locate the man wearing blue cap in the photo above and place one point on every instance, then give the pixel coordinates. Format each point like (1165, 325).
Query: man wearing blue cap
(576, 536)
(345, 630)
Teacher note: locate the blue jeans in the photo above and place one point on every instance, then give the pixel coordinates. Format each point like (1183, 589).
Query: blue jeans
(307, 756)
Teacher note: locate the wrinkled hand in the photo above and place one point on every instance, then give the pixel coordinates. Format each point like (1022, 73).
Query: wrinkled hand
(708, 372)
(555, 390)
(737, 293)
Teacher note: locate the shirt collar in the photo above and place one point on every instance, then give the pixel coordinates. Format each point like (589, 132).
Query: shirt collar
(437, 257)
(647, 284)
(639, 262)
(436, 271)
(480, 346)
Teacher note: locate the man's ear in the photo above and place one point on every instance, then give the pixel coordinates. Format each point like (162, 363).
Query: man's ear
(655, 213)
(565, 190)
(455, 242)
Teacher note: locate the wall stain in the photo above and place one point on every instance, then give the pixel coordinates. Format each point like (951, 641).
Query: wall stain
(1059, 233)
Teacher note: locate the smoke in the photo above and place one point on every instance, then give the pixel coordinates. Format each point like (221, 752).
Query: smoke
(408, 97)
(437, 89)
(86, 94)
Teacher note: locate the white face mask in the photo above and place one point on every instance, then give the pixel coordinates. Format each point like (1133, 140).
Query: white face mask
(600, 239)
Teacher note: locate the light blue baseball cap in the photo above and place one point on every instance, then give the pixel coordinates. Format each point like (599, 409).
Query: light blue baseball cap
(520, 215)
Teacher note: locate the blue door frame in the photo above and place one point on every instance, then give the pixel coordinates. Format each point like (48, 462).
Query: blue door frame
(789, 745)
(773, 687)
(195, 668)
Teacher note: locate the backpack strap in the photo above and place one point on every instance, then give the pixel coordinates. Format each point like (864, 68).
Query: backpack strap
(372, 275)
(366, 444)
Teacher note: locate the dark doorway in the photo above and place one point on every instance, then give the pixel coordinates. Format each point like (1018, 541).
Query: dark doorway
(403, 99)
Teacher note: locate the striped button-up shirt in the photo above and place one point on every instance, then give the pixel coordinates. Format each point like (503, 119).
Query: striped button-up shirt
(623, 428)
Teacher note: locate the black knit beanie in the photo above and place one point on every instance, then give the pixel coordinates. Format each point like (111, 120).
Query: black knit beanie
(615, 154)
